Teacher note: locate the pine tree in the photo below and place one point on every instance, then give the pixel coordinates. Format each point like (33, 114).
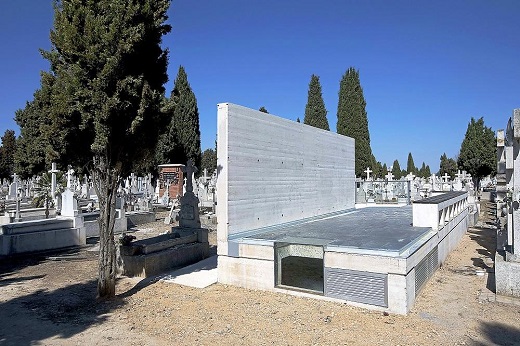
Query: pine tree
(384, 170)
(477, 154)
(263, 110)
(315, 112)
(109, 71)
(353, 120)
(298, 119)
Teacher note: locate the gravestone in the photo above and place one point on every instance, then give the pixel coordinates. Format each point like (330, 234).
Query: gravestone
(13, 189)
(189, 214)
(69, 204)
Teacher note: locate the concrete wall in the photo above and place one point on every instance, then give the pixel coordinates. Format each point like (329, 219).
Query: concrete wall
(273, 170)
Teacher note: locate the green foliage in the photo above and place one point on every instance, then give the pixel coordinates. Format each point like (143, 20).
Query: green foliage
(477, 154)
(7, 151)
(379, 170)
(384, 170)
(447, 165)
(34, 150)
(108, 70)
(396, 170)
(410, 165)
(424, 172)
(181, 140)
(298, 119)
(43, 190)
(315, 112)
(353, 120)
(263, 110)
(209, 161)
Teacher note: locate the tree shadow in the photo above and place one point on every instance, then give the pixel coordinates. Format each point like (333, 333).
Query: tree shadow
(9, 281)
(499, 334)
(13, 263)
(61, 313)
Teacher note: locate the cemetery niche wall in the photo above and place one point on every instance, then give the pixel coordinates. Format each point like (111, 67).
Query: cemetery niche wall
(287, 218)
(507, 257)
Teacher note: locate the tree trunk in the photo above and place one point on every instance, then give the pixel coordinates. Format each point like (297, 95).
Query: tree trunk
(105, 180)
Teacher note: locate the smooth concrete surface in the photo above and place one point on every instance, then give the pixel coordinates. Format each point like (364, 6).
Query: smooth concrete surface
(139, 217)
(507, 276)
(199, 275)
(381, 229)
(281, 172)
(41, 241)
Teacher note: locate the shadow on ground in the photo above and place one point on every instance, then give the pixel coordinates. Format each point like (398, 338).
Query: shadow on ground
(14, 263)
(498, 334)
(61, 313)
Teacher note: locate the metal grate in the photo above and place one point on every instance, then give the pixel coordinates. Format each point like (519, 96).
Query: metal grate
(356, 286)
(425, 269)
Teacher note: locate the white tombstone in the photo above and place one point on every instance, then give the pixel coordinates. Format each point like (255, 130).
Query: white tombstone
(69, 204)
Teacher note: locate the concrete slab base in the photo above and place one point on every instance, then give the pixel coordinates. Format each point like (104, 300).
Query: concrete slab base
(507, 277)
(11, 244)
(162, 261)
(199, 275)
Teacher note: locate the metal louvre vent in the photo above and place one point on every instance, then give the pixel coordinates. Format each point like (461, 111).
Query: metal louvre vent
(425, 269)
(356, 286)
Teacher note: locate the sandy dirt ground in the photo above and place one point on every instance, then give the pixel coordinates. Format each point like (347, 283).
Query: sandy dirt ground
(51, 300)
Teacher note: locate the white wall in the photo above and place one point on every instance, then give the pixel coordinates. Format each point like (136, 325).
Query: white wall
(273, 170)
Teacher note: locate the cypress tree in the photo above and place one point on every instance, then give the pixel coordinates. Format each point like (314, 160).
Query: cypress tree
(7, 151)
(263, 110)
(352, 118)
(478, 151)
(410, 165)
(396, 170)
(315, 112)
(185, 121)
(110, 69)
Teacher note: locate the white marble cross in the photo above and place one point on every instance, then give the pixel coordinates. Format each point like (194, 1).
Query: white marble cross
(445, 178)
(70, 173)
(368, 171)
(389, 176)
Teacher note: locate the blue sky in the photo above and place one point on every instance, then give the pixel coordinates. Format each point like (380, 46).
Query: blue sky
(426, 67)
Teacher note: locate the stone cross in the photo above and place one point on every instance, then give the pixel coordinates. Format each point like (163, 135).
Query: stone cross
(445, 178)
(189, 169)
(389, 176)
(410, 176)
(53, 172)
(70, 173)
(459, 175)
(368, 171)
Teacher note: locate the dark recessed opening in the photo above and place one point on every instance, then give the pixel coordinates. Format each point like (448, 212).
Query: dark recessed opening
(303, 272)
(299, 267)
